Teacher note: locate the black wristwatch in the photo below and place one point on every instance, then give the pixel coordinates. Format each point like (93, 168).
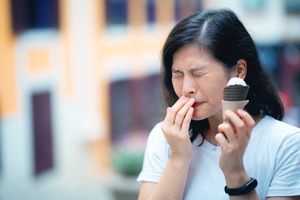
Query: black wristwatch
(245, 189)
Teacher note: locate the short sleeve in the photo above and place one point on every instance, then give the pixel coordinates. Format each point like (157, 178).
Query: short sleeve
(286, 179)
(156, 156)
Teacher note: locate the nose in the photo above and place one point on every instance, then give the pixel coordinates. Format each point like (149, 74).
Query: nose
(189, 87)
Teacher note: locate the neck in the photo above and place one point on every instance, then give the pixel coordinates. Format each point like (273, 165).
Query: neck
(214, 122)
(210, 134)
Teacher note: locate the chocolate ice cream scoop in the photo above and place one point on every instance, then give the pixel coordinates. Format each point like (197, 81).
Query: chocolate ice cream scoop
(236, 90)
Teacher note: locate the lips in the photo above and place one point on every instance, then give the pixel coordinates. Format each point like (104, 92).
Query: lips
(196, 104)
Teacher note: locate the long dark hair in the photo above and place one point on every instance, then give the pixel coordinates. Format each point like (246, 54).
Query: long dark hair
(224, 37)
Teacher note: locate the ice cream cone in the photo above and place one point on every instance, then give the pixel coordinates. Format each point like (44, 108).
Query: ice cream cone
(233, 106)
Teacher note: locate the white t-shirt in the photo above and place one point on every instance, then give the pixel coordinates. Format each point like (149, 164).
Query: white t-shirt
(272, 157)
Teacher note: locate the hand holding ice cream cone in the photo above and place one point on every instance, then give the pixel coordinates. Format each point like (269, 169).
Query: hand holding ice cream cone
(235, 94)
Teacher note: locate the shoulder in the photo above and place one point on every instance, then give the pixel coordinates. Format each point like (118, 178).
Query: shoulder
(275, 129)
(271, 135)
(273, 157)
(284, 144)
(156, 137)
(156, 156)
(275, 124)
(156, 132)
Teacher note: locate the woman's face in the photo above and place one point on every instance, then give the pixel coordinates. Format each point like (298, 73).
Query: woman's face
(196, 74)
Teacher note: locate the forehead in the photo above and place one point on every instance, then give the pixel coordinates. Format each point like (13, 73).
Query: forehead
(192, 56)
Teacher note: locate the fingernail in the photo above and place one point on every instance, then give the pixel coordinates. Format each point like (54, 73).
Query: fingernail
(227, 112)
(191, 99)
(184, 97)
(240, 111)
(224, 135)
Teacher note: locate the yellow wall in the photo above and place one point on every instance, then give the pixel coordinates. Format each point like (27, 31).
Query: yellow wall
(165, 12)
(134, 45)
(136, 12)
(64, 21)
(8, 101)
(38, 60)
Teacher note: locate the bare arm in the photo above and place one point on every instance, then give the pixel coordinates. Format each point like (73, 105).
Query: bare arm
(175, 128)
(171, 184)
(146, 190)
(233, 147)
(284, 198)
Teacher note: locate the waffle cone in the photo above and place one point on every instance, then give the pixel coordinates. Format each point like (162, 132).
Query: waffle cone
(233, 106)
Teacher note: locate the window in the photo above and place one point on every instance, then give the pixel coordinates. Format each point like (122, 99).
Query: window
(292, 6)
(34, 14)
(135, 106)
(42, 132)
(253, 4)
(296, 91)
(151, 11)
(116, 12)
(185, 8)
(270, 56)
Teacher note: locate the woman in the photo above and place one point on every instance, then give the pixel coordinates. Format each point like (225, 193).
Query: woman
(192, 154)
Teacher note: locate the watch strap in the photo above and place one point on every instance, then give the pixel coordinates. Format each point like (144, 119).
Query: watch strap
(245, 189)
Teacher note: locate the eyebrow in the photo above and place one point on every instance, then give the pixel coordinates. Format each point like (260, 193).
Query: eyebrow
(192, 70)
(176, 71)
(196, 69)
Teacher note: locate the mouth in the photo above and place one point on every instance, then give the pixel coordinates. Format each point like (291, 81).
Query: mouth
(196, 104)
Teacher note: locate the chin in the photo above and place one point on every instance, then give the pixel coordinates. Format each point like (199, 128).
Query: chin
(198, 118)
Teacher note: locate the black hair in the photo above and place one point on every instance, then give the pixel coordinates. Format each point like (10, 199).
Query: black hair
(224, 37)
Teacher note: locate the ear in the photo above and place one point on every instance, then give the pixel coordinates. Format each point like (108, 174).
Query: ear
(241, 69)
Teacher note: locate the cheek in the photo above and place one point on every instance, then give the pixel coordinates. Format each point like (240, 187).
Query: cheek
(177, 87)
(217, 87)
(214, 92)
(218, 92)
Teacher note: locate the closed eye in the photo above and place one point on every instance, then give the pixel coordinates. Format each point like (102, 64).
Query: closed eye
(198, 71)
(177, 74)
(199, 74)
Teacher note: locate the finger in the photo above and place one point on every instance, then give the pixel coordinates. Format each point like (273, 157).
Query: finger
(237, 123)
(171, 113)
(187, 120)
(228, 131)
(179, 103)
(168, 108)
(183, 111)
(248, 120)
(222, 141)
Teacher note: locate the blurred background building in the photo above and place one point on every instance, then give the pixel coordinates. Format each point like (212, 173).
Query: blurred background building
(80, 87)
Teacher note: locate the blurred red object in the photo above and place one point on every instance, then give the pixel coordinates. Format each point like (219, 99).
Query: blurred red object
(286, 99)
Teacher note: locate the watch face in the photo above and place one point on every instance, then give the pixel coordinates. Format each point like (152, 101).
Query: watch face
(245, 189)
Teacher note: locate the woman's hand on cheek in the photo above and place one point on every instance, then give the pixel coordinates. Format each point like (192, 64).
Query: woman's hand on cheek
(233, 138)
(176, 128)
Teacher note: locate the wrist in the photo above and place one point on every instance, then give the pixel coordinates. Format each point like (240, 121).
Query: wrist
(243, 190)
(181, 157)
(237, 179)
(180, 160)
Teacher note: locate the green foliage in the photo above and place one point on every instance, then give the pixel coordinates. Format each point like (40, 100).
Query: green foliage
(128, 162)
